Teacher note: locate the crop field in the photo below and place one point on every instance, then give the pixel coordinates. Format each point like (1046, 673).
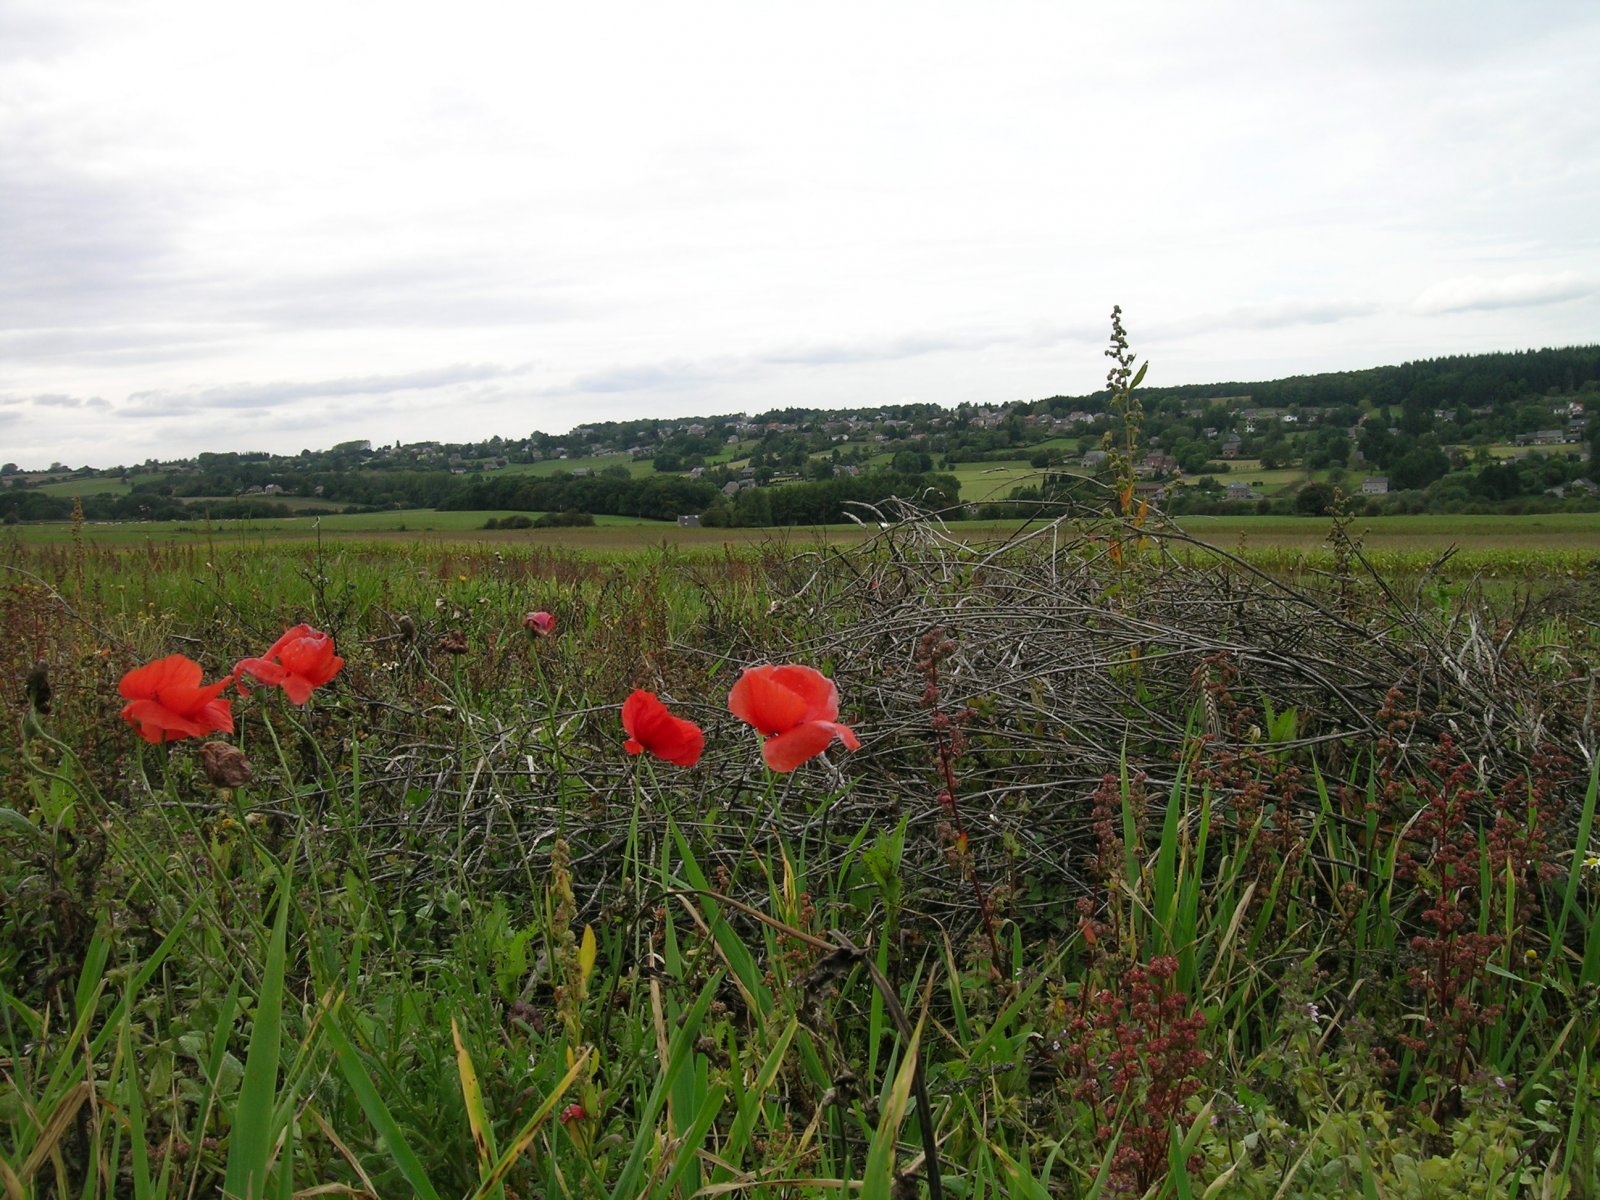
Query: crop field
(1081, 863)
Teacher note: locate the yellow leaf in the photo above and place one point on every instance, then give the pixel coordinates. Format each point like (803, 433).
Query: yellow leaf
(587, 951)
(472, 1093)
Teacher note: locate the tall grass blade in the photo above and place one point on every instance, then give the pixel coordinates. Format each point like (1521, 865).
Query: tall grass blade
(253, 1132)
(394, 1139)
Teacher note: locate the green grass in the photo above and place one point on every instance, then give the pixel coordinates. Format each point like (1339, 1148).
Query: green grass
(452, 940)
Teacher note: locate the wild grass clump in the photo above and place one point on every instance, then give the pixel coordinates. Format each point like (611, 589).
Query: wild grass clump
(1155, 874)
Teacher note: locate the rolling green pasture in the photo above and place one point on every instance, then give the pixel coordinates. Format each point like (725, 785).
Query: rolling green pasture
(593, 463)
(993, 480)
(99, 486)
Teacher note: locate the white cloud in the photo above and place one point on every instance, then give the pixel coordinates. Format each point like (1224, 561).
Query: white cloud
(1474, 292)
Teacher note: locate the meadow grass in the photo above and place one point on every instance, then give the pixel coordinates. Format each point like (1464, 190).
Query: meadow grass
(450, 940)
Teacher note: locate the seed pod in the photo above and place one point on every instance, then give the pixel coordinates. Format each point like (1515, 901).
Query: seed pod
(225, 766)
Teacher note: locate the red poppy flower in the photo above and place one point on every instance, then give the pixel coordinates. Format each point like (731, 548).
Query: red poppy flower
(168, 702)
(305, 661)
(541, 623)
(797, 709)
(651, 727)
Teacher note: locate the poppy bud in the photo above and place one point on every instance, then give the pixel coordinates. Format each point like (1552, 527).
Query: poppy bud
(38, 688)
(225, 766)
(407, 627)
(540, 624)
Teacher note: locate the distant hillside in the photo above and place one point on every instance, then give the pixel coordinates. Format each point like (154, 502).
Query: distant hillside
(1499, 431)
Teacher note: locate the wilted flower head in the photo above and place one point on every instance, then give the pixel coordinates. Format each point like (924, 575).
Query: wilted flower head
(454, 642)
(796, 708)
(166, 701)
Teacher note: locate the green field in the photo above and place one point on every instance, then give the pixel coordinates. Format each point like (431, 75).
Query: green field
(1521, 544)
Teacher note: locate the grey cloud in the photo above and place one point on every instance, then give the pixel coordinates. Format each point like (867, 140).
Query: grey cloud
(123, 345)
(1281, 314)
(885, 350)
(644, 377)
(77, 249)
(248, 396)
(682, 373)
(33, 31)
(1474, 293)
(408, 294)
(58, 400)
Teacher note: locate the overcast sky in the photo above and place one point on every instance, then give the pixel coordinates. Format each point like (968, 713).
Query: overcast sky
(286, 225)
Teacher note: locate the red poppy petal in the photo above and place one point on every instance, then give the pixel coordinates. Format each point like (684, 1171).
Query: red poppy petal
(291, 634)
(846, 735)
(218, 717)
(312, 658)
(158, 723)
(297, 688)
(634, 708)
(142, 719)
(684, 743)
(260, 670)
(759, 699)
(818, 692)
(176, 670)
(652, 727)
(800, 745)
